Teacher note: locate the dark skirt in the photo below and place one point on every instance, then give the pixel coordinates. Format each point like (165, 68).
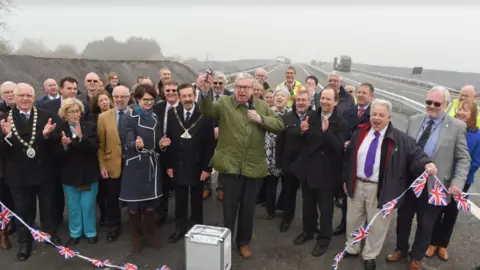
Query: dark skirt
(142, 205)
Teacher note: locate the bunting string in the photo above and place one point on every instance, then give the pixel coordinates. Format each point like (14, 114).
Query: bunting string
(6, 216)
(436, 196)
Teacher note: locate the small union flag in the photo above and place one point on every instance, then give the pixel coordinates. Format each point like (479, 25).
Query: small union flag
(462, 202)
(40, 236)
(164, 268)
(338, 258)
(437, 195)
(360, 233)
(130, 266)
(419, 184)
(387, 208)
(66, 252)
(5, 217)
(100, 264)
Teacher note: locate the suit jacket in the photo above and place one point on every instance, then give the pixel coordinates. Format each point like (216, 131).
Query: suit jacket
(195, 153)
(21, 170)
(84, 98)
(109, 144)
(41, 100)
(352, 120)
(78, 163)
(54, 105)
(451, 155)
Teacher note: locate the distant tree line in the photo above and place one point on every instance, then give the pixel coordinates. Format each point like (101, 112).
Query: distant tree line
(134, 48)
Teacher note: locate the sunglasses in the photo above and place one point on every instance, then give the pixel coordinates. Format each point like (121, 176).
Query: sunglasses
(436, 104)
(95, 81)
(170, 91)
(218, 83)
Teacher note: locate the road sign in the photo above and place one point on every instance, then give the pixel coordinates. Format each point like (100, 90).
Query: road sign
(417, 70)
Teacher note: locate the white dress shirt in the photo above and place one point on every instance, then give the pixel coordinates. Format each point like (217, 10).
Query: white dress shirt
(362, 155)
(165, 118)
(190, 111)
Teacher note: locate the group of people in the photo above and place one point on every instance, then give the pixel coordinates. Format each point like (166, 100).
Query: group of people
(117, 148)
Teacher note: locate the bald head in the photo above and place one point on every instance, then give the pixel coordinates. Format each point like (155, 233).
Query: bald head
(350, 89)
(91, 82)
(146, 81)
(468, 93)
(6, 92)
(50, 86)
(121, 95)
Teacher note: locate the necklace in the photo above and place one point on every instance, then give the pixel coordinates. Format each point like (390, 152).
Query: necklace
(186, 134)
(30, 151)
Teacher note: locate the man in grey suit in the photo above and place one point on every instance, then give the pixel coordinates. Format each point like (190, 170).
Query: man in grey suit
(443, 139)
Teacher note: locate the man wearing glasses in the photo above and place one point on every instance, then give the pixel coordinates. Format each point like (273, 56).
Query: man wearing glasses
(346, 99)
(91, 83)
(240, 155)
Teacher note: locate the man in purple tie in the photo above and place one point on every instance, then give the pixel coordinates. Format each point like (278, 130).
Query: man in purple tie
(377, 163)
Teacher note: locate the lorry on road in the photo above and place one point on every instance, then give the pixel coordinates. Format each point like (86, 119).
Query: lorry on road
(313, 62)
(345, 63)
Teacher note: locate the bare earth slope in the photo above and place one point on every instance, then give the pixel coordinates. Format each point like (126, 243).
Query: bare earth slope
(34, 70)
(229, 66)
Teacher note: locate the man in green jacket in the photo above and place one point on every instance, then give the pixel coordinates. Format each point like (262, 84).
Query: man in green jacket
(240, 155)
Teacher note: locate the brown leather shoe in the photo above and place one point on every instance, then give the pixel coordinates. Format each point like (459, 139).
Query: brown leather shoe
(415, 265)
(4, 241)
(430, 251)
(442, 253)
(206, 194)
(245, 252)
(220, 195)
(396, 256)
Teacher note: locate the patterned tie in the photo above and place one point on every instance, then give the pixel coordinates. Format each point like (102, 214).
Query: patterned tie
(372, 151)
(187, 117)
(425, 135)
(360, 113)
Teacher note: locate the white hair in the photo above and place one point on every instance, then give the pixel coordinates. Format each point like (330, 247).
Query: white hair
(23, 85)
(442, 90)
(260, 70)
(379, 101)
(257, 83)
(218, 75)
(6, 84)
(244, 76)
(335, 73)
(283, 92)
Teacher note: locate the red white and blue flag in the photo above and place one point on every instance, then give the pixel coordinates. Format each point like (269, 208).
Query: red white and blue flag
(360, 233)
(419, 184)
(100, 264)
(40, 236)
(387, 208)
(338, 258)
(462, 202)
(130, 266)
(164, 268)
(437, 195)
(66, 252)
(5, 217)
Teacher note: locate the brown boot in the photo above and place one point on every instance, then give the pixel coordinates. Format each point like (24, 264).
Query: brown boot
(415, 265)
(245, 252)
(4, 241)
(135, 231)
(206, 194)
(442, 253)
(396, 256)
(220, 195)
(149, 221)
(430, 251)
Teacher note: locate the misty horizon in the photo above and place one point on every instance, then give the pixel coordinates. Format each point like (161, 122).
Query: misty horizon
(437, 37)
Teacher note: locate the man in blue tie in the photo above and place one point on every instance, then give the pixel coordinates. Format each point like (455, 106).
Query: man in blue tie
(377, 164)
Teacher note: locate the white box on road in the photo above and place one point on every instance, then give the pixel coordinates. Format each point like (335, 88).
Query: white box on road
(208, 248)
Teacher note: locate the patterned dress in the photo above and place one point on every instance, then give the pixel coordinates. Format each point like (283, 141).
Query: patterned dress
(270, 139)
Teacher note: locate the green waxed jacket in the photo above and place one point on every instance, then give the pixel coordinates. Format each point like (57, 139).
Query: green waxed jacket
(241, 142)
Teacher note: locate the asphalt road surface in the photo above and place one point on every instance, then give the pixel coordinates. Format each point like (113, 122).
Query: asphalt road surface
(272, 250)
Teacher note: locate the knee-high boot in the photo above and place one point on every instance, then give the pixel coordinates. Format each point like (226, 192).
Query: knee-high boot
(149, 220)
(135, 227)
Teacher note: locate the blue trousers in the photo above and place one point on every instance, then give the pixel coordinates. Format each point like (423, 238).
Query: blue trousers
(82, 210)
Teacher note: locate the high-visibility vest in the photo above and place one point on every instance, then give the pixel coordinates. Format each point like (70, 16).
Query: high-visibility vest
(452, 110)
(297, 86)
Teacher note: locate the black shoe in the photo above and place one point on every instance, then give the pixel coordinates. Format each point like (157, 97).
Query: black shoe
(175, 237)
(370, 265)
(112, 236)
(72, 241)
(340, 229)
(302, 238)
(24, 252)
(269, 216)
(320, 248)
(284, 226)
(92, 240)
(161, 221)
(55, 239)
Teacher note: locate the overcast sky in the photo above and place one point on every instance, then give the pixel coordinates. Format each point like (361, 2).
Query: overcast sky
(431, 35)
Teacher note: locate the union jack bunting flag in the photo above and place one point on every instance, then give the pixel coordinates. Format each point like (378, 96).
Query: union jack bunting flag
(389, 206)
(338, 258)
(360, 233)
(5, 216)
(462, 202)
(164, 268)
(66, 252)
(130, 266)
(40, 236)
(437, 195)
(100, 264)
(419, 184)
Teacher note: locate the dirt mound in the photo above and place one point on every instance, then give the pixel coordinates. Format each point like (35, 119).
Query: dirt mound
(34, 70)
(229, 66)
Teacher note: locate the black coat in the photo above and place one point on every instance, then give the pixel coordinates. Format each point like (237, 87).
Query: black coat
(289, 142)
(21, 170)
(79, 162)
(54, 105)
(189, 157)
(4, 110)
(320, 162)
(142, 174)
(351, 118)
(400, 156)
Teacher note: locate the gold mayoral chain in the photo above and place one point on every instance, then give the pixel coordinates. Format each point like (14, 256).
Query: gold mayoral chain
(30, 151)
(186, 134)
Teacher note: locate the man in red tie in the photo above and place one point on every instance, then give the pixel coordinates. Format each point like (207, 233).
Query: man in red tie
(354, 116)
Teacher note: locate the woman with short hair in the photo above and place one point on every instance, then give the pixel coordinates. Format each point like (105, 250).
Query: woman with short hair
(79, 170)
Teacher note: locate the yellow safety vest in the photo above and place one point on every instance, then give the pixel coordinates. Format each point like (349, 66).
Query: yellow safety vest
(296, 87)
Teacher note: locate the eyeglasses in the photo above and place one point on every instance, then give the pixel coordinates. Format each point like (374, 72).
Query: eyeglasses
(148, 100)
(74, 112)
(120, 97)
(170, 91)
(436, 104)
(90, 81)
(243, 86)
(218, 83)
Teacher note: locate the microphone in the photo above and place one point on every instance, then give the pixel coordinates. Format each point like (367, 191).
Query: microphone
(251, 106)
